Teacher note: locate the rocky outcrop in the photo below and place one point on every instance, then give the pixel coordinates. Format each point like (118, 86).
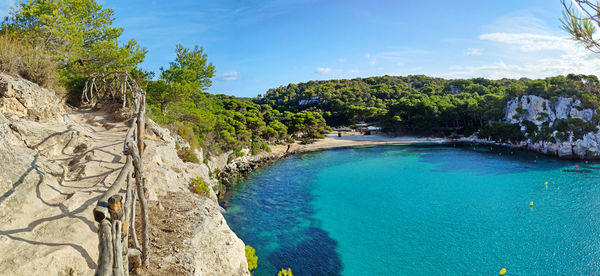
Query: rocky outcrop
(57, 164)
(543, 112)
(244, 165)
(218, 161)
(27, 99)
(539, 110)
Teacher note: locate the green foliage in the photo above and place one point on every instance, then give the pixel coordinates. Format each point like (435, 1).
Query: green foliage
(187, 133)
(187, 155)
(187, 76)
(576, 126)
(251, 258)
(530, 128)
(502, 132)
(543, 134)
(426, 105)
(285, 272)
(309, 124)
(543, 116)
(414, 103)
(580, 26)
(259, 146)
(200, 186)
(21, 58)
(76, 35)
(218, 122)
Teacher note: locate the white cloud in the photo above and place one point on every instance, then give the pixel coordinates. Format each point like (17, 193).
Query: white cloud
(529, 42)
(323, 70)
(367, 56)
(473, 52)
(373, 61)
(342, 60)
(533, 56)
(230, 76)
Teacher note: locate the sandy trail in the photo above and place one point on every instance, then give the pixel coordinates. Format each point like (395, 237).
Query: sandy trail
(54, 228)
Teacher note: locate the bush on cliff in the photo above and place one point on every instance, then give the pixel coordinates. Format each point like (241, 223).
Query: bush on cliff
(577, 126)
(200, 186)
(251, 258)
(22, 59)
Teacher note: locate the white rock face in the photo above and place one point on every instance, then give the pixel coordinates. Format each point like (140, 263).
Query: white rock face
(534, 108)
(219, 161)
(312, 100)
(564, 108)
(565, 150)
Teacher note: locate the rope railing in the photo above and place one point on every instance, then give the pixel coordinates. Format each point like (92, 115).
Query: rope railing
(116, 218)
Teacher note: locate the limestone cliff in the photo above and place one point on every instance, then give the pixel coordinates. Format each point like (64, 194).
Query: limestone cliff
(56, 164)
(543, 112)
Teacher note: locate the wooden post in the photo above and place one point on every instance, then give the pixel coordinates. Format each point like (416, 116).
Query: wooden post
(115, 208)
(140, 125)
(105, 249)
(137, 163)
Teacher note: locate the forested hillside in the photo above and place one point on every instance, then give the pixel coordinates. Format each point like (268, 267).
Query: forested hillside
(62, 44)
(424, 104)
(220, 123)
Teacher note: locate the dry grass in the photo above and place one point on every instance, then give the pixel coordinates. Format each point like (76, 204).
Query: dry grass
(20, 58)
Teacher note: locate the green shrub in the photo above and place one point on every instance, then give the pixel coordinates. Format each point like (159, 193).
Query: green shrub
(543, 134)
(530, 128)
(542, 116)
(285, 272)
(188, 134)
(257, 147)
(187, 155)
(251, 258)
(22, 59)
(502, 132)
(561, 136)
(469, 130)
(577, 126)
(200, 186)
(306, 140)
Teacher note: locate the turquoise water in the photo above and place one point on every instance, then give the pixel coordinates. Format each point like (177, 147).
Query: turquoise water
(421, 210)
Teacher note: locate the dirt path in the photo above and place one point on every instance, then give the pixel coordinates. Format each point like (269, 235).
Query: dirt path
(52, 232)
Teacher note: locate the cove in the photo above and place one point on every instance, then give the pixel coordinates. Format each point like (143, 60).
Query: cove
(420, 210)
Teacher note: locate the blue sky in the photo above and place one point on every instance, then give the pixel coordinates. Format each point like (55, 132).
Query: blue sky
(257, 45)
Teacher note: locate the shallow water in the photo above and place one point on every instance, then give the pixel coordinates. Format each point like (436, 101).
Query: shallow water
(416, 210)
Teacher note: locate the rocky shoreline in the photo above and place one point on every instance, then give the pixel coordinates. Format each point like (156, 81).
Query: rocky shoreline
(243, 166)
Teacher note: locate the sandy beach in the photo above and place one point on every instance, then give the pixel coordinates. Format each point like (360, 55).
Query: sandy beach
(332, 140)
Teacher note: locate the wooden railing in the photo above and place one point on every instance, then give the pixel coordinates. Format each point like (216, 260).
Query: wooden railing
(117, 219)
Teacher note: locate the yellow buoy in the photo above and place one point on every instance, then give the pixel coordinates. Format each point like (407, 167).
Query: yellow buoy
(546, 183)
(531, 204)
(502, 271)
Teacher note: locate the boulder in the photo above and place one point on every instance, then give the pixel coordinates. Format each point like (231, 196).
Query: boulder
(27, 99)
